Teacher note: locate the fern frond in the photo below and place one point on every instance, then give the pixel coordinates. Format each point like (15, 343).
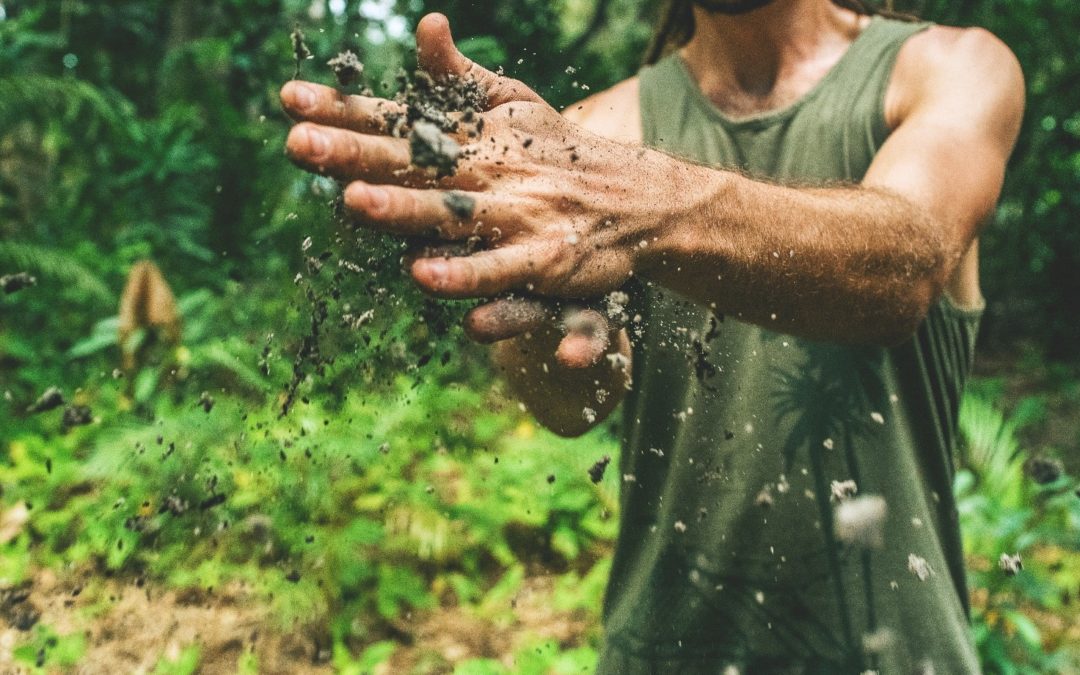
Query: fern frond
(37, 98)
(54, 265)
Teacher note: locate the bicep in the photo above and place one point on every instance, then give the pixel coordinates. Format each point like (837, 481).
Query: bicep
(948, 153)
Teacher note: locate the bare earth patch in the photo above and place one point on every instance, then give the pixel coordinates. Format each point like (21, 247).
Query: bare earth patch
(130, 629)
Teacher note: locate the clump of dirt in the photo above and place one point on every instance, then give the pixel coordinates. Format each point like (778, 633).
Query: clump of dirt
(461, 204)
(1043, 470)
(300, 49)
(597, 470)
(206, 401)
(347, 67)
(16, 608)
(433, 110)
(432, 149)
(51, 398)
(1010, 564)
(13, 283)
(76, 416)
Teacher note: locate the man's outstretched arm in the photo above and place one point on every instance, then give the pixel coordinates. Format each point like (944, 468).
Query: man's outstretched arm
(567, 213)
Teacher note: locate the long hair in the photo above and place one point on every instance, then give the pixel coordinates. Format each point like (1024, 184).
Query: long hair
(676, 23)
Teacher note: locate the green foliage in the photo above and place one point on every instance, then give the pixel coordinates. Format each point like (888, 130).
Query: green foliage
(46, 650)
(1002, 511)
(152, 129)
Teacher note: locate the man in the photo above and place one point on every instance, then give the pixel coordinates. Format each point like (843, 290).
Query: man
(790, 200)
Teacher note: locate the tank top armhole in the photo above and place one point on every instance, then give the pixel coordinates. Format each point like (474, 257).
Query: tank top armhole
(881, 130)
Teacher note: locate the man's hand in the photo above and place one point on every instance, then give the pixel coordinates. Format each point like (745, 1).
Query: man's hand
(558, 211)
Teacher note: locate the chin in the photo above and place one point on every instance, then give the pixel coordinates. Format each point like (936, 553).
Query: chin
(731, 6)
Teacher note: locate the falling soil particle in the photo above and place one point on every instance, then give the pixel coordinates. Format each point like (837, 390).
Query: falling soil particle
(52, 398)
(433, 149)
(76, 416)
(551, 478)
(918, 566)
(347, 67)
(206, 401)
(1043, 470)
(461, 204)
(12, 283)
(300, 49)
(211, 502)
(1010, 564)
(861, 521)
(596, 471)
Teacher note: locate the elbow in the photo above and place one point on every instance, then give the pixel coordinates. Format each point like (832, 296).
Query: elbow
(909, 313)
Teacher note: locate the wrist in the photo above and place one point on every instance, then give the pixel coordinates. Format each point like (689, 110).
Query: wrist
(682, 219)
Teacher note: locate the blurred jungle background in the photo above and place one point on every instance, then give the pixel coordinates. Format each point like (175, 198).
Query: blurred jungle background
(404, 516)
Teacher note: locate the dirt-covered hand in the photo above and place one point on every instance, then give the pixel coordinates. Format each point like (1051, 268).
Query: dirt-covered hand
(555, 210)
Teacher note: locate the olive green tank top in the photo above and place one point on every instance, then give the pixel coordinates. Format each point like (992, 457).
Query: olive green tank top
(786, 504)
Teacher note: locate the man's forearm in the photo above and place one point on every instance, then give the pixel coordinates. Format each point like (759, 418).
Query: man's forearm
(845, 264)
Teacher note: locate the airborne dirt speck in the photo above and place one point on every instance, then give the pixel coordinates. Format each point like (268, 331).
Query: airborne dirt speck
(861, 521)
(347, 67)
(918, 566)
(12, 283)
(1010, 564)
(76, 416)
(1043, 470)
(432, 149)
(50, 399)
(596, 471)
(460, 204)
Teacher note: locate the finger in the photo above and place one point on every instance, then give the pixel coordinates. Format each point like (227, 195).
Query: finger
(448, 214)
(480, 275)
(580, 351)
(310, 102)
(508, 317)
(347, 155)
(587, 338)
(437, 54)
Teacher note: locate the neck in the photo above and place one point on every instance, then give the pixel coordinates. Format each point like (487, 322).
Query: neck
(750, 53)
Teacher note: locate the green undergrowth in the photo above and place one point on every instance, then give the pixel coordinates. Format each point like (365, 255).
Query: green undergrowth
(340, 518)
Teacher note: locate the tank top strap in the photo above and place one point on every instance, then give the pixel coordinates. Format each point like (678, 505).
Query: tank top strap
(856, 84)
(861, 78)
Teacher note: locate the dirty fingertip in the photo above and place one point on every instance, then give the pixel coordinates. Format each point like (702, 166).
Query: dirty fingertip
(580, 351)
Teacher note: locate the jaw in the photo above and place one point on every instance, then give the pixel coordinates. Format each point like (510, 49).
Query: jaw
(730, 7)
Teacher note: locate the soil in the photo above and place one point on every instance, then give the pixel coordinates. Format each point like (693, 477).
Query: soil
(461, 204)
(50, 399)
(432, 149)
(347, 68)
(130, 627)
(12, 283)
(76, 416)
(597, 470)
(300, 49)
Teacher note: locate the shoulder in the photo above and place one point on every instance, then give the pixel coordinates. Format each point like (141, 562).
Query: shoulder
(613, 113)
(956, 68)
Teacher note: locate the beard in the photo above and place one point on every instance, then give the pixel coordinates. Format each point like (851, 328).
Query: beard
(730, 6)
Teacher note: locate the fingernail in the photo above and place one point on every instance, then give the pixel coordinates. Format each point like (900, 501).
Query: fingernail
(303, 97)
(317, 142)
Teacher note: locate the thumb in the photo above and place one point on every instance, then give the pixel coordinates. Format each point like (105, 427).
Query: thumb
(438, 55)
